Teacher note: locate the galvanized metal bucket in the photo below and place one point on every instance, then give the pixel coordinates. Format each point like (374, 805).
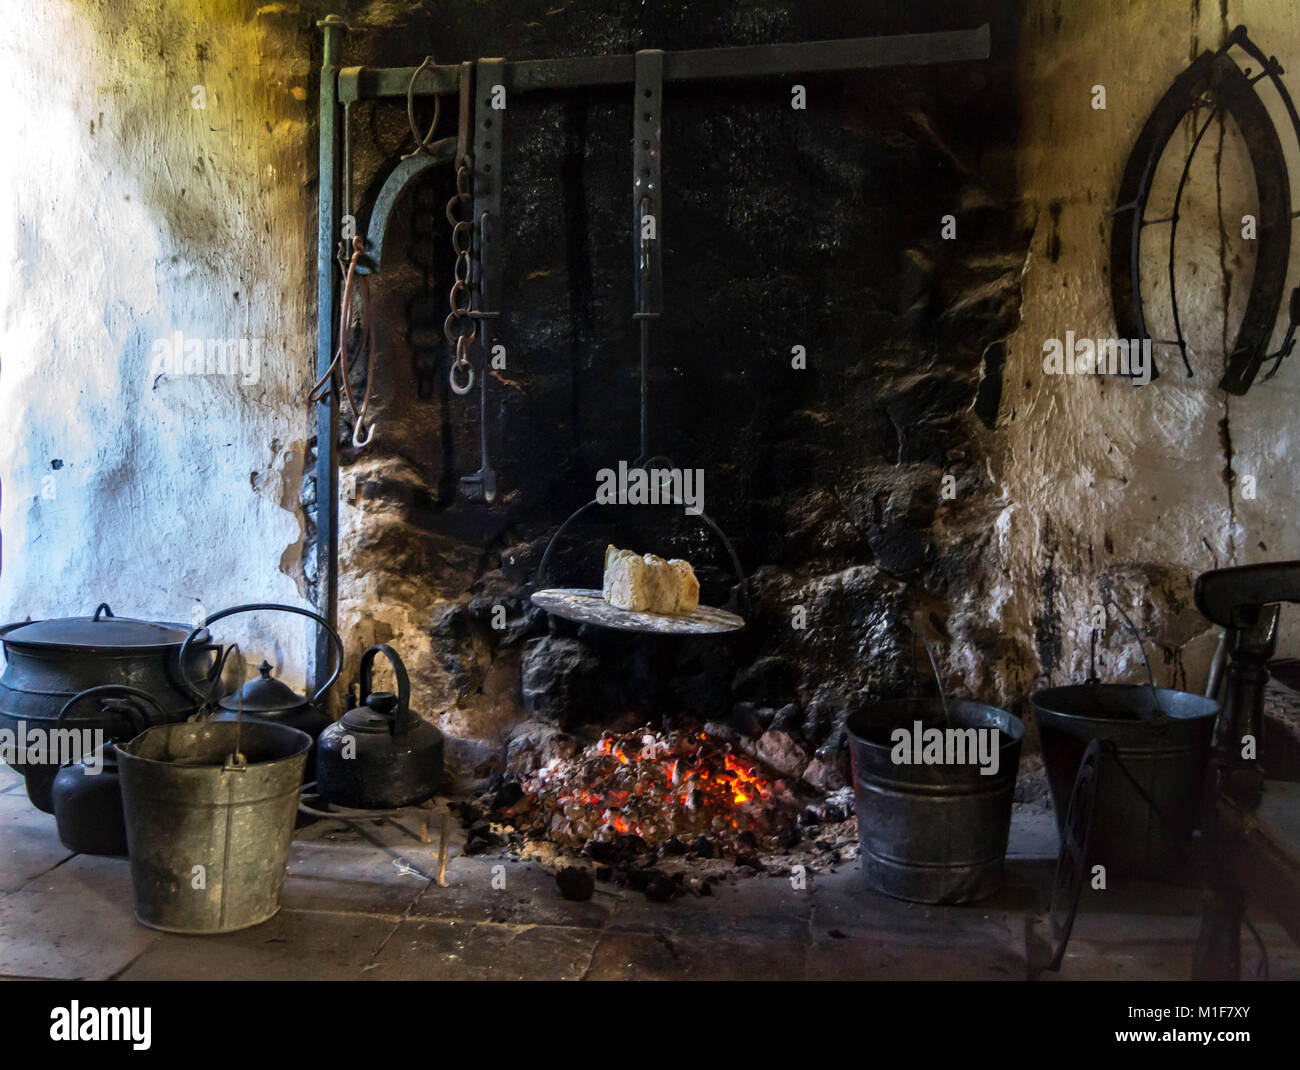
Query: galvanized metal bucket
(209, 837)
(932, 833)
(1152, 737)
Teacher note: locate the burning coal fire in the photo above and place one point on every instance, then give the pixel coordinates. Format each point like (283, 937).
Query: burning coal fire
(655, 785)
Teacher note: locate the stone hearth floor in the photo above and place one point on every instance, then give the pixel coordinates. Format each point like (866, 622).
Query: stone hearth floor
(349, 912)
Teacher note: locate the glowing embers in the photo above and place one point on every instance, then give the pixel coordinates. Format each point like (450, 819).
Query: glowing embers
(655, 785)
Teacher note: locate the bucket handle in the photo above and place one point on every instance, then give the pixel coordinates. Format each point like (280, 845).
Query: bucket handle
(205, 709)
(934, 667)
(130, 710)
(1159, 714)
(251, 608)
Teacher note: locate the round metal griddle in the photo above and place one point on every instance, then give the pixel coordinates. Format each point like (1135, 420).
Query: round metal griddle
(589, 607)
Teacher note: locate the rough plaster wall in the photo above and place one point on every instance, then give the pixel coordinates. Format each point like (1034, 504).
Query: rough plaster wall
(1099, 480)
(136, 216)
(133, 215)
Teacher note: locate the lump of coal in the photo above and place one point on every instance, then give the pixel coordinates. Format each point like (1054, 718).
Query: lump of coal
(745, 720)
(674, 846)
(702, 847)
(507, 795)
(641, 879)
(788, 836)
(786, 719)
(661, 889)
(575, 883)
(481, 839)
(833, 814)
(630, 844)
(602, 851)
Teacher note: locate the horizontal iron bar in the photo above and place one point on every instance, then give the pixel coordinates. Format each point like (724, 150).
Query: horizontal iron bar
(747, 61)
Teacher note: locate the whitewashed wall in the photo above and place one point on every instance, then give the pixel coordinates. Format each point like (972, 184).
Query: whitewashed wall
(1098, 478)
(131, 215)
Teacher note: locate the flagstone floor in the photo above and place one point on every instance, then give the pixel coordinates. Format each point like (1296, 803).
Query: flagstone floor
(357, 905)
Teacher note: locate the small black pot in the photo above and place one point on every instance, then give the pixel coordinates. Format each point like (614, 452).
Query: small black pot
(88, 806)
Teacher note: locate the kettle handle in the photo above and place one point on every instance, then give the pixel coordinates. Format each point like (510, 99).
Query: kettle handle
(103, 608)
(402, 718)
(137, 719)
(253, 607)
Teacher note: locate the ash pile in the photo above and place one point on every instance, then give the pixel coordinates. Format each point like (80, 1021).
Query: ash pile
(664, 812)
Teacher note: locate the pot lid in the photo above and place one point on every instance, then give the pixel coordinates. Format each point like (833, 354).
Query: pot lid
(375, 716)
(103, 631)
(265, 694)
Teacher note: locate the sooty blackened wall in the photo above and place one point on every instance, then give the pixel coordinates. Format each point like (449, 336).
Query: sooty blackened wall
(851, 488)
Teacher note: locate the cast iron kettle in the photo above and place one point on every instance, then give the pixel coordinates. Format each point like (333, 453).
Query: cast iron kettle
(88, 807)
(380, 755)
(267, 699)
(48, 662)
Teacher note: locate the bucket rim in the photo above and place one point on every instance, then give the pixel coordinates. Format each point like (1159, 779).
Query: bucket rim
(1211, 708)
(304, 745)
(1013, 730)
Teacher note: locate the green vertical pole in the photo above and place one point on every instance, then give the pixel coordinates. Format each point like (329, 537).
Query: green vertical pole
(327, 411)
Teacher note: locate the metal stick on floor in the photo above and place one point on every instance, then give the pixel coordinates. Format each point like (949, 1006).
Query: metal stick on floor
(443, 837)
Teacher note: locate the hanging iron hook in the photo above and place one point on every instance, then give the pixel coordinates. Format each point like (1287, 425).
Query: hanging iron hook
(421, 143)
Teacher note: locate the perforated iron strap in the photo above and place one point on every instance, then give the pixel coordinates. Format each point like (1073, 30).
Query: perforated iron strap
(647, 213)
(647, 193)
(490, 105)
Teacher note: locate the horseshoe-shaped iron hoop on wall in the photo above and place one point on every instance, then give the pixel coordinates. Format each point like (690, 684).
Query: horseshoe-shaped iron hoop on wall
(1215, 74)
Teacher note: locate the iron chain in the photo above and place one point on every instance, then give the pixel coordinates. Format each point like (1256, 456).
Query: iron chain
(460, 327)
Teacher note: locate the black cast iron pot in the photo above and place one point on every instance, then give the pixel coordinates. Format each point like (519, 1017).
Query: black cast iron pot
(47, 662)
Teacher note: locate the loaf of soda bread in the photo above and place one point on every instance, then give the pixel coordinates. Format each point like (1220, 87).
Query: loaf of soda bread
(649, 584)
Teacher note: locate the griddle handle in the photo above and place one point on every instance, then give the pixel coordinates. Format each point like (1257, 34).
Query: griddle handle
(704, 518)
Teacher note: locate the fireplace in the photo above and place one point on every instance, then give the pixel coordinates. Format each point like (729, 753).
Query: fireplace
(826, 357)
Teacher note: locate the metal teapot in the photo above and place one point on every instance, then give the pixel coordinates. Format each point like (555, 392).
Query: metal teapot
(88, 806)
(379, 756)
(267, 699)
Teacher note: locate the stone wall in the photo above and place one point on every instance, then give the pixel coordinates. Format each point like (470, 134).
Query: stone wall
(138, 215)
(818, 227)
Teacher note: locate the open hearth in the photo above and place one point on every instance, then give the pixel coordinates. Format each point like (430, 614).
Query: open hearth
(664, 811)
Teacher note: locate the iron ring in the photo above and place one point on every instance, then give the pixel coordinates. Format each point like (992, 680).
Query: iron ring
(469, 380)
